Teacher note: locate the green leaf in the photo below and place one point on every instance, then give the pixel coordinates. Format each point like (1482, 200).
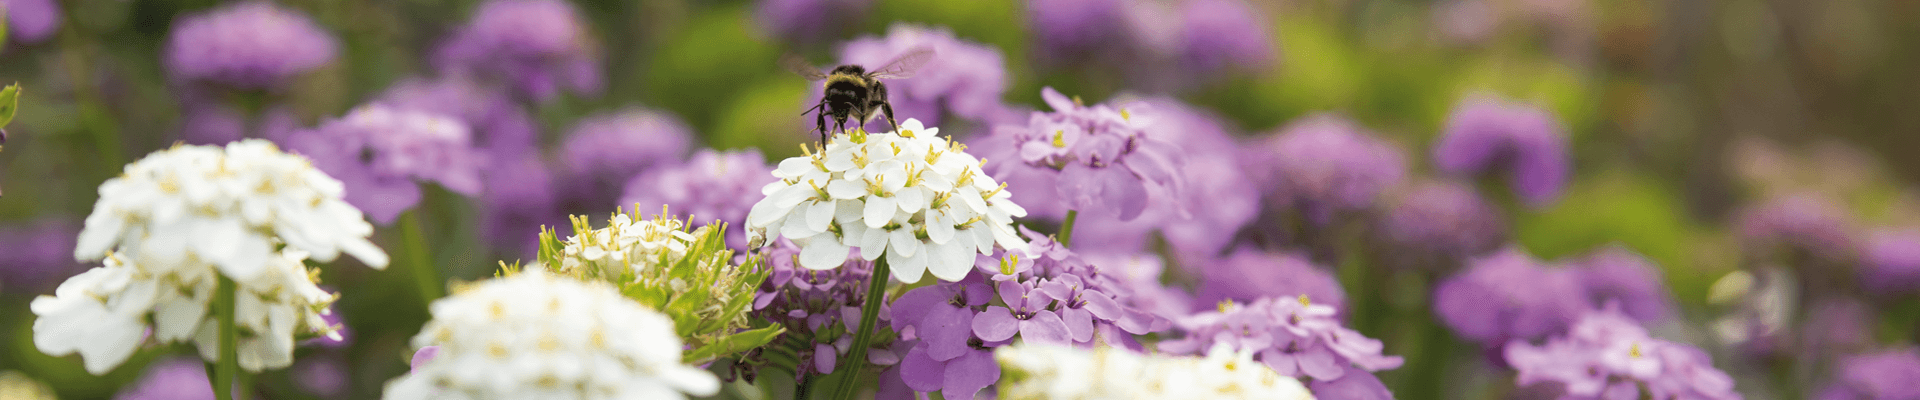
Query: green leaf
(735, 343)
(9, 103)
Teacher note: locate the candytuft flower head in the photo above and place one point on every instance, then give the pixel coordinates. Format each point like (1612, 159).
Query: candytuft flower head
(32, 21)
(1043, 371)
(531, 334)
(911, 196)
(1325, 164)
(688, 274)
(1292, 335)
(1606, 355)
(1102, 155)
(178, 220)
(819, 309)
(1509, 295)
(250, 45)
(604, 151)
(379, 152)
(535, 46)
(1486, 134)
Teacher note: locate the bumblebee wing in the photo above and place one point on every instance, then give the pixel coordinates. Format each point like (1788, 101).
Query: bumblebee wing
(798, 65)
(904, 66)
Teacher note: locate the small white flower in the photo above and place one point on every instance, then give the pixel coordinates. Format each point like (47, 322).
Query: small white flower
(625, 245)
(102, 313)
(916, 198)
(1061, 372)
(227, 206)
(531, 335)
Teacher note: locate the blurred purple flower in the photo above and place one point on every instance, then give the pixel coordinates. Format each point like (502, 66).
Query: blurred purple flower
(1892, 261)
(1213, 177)
(323, 376)
(710, 185)
(605, 151)
(1488, 135)
(819, 308)
(537, 47)
(206, 122)
(1324, 164)
(1071, 29)
(1807, 222)
(379, 152)
(1606, 355)
(1437, 224)
(173, 378)
(1221, 34)
(518, 199)
(32, 21)
(1509, 295)
(1617, 274)
(39, 255)
(1139, 274)
(1249, 274)
(810, 21)
(1102, 156)
(965, 79)
(1355, 384)
(1885, 375)
(501, 128)
(1294, 335)
(1837, 325)
(248, 45)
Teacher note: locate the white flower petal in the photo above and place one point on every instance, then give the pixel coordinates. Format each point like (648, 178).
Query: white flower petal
(879, 211)
(823, 253)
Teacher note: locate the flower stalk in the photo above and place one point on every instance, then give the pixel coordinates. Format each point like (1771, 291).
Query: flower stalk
(229, 364)
(416, 243)
(1066, 228)
(857, 357)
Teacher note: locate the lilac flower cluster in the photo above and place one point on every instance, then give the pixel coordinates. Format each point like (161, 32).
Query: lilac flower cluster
(32, 21)
(39, 254)
(1161, 44)
(1437, 223)
(710, 185)
(1248, 275)
(1607, 355)
(1213, 177)
(1891, 261)
(502, 130)
(1486, 135)
(966, 79)
(248, 45)
(1885, 375)
(1324, 165)
(810, 21)
(537, 47)
(606, 150)
(819, 308)
(1046, 295)
(1802, 223)
(1509, 295)
(1100, 157)
(1294, 336)
(381, 151)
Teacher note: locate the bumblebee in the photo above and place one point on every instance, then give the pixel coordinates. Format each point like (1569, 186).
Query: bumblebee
(854, 93)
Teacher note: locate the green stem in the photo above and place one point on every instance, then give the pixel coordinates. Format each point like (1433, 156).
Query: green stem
(223, 308)
(422, 257)
(1066, 228)
(857, 358)
(804, 390)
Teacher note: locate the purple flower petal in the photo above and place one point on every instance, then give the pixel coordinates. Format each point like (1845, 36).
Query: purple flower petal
(1079, 324)
(823, 358)
(996, 324)
(921, 372)
(970, 373)
(1044, 327)
(946, 332)
(1318, 362)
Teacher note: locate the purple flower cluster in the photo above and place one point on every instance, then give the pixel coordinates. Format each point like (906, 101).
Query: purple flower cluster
(604, 151)
(32, 21)
(1323, 165)
(170, 379)
(1487, 135)
(379, 152)
(810, 21)
(1803, 223)
(1509, 295)
(38, 254)
(1891, 260)
(1885, 375)
(537, 47)
(1437, 223)
(1159, 43)
(502, 130)
(1213, 177)
(1292, 335)
(518, 200)
(710, 185)
(248, 45)
(1101, 157)
(1218, 34)
(1607, 355)
(1248, 275)
(1617, 274)
(1047, 295)
(819, 308)
(966, 79)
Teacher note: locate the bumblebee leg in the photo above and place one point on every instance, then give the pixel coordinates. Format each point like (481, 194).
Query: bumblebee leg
(888, 108)
(820, 122)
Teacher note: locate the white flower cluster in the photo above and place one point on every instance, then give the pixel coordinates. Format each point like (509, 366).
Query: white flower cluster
(104, 312)
(1049, 372)
(229, 207)
(535, 336)
(634, 246)
(913, 196)
(174, 223)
